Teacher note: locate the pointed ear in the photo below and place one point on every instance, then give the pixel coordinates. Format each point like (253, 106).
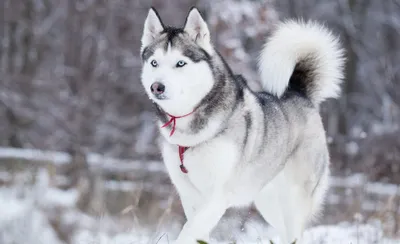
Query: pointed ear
(152, 27)
(197, 28)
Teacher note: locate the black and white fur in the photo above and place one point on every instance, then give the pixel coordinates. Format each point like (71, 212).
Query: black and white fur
(264, 147)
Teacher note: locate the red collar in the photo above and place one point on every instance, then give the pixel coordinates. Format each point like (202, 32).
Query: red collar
(181, 149)
(173, 120)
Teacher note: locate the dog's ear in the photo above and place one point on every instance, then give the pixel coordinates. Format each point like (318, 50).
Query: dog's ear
(153, 26)
(197, 29)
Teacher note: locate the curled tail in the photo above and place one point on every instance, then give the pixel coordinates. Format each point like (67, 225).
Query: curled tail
(302, 56)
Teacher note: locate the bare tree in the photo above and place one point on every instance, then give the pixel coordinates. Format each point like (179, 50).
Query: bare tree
(69, 70)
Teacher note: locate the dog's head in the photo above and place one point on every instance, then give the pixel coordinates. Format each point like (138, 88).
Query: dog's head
(176, 72)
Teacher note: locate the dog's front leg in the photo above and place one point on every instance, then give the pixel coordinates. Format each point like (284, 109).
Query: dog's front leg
(204, 220)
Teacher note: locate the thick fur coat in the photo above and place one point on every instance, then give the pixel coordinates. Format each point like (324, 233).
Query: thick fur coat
(268, 148)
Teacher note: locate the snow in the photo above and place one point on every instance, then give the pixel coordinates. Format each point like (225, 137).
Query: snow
(60, 198)
(31, 154)
(21, 220)
(129, 186)
(5, 176)
(13, 206)
(360, 180)
(28, 211)
(94, 159)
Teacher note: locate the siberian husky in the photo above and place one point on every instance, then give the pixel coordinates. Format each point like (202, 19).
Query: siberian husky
(225, 145)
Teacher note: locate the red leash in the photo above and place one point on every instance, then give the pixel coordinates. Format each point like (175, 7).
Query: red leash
(181, 149)
(181, 152)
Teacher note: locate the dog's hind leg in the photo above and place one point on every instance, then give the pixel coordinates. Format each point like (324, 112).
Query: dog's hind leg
(304, 193)
(287, 207)
(298, 213)
(268, 204)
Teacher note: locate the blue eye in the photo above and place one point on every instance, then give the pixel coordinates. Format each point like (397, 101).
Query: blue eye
(180, 64)
(154, 63)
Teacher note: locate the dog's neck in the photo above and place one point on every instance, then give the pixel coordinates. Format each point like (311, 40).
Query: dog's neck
(172, 121)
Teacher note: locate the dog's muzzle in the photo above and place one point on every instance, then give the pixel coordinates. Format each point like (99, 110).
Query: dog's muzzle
(158, 89)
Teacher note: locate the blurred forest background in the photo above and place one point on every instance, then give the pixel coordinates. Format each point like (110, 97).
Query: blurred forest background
(70, 72)
(69, 76)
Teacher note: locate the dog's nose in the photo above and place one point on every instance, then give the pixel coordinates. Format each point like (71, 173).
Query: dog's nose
(157, 88)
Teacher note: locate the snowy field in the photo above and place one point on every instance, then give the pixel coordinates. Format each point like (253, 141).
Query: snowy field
(23, 220)
(36, 212)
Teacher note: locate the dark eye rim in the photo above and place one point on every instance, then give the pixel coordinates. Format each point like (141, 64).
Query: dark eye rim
(154, 63)
(180, 65)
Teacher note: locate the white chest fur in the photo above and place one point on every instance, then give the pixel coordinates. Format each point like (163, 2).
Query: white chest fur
(208, 164)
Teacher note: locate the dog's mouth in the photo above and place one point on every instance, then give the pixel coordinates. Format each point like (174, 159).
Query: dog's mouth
(160, 96)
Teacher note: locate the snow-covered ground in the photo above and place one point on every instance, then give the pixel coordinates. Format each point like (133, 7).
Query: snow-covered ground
(22, 222)
(340, 234)
(24, 218)
(36, 212)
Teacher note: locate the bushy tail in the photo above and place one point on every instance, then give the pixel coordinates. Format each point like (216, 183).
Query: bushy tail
(303, 56)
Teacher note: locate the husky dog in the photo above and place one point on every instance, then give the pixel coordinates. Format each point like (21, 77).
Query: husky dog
(225, 145)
